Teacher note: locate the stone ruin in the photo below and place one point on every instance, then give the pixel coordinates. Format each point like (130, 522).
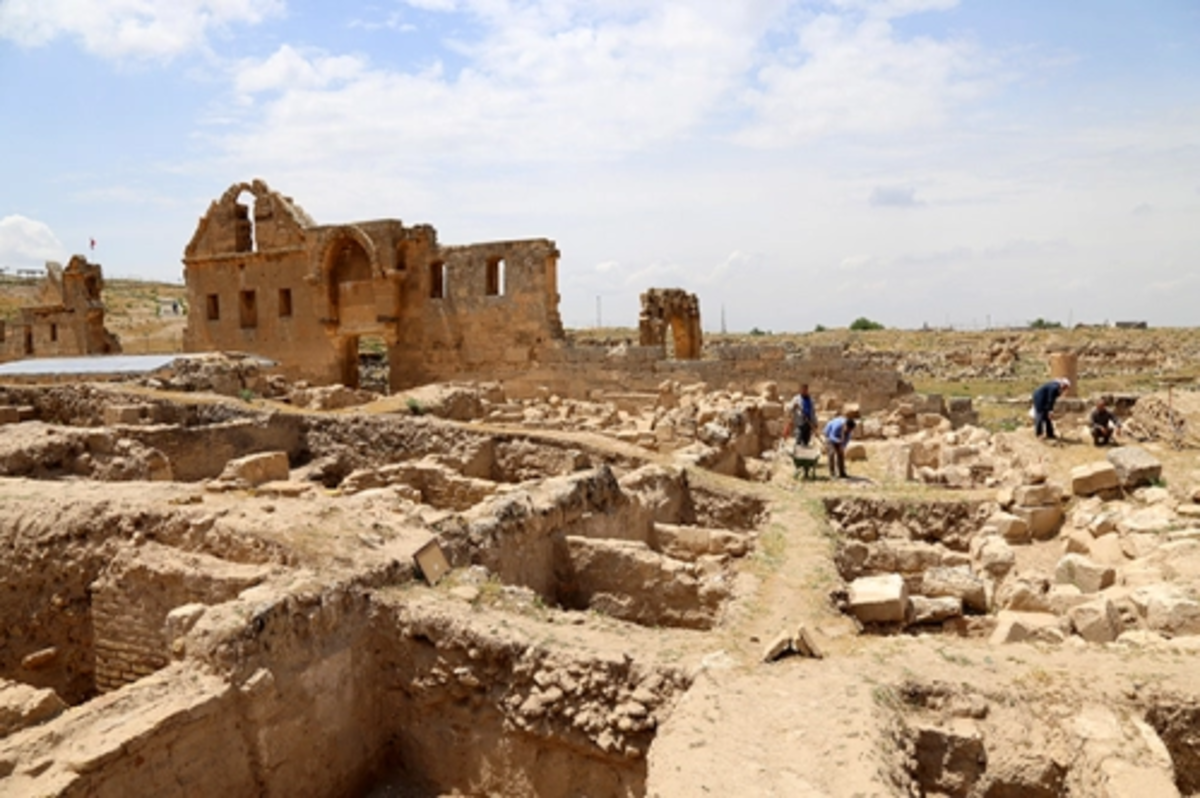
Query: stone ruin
(71, 320)
(670, 318)
(265, 278)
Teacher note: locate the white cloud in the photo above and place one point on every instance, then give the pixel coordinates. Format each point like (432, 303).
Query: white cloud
(544, 81)
(149, 29)
(287, 69)
(28, 243)
(848, 74)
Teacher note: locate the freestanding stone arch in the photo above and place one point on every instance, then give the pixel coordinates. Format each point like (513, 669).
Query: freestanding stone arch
(676, 310)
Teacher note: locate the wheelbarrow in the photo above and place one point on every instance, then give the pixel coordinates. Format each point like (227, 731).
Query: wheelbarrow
(805, 459)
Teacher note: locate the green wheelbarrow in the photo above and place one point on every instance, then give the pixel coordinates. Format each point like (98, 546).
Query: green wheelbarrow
(805, 459)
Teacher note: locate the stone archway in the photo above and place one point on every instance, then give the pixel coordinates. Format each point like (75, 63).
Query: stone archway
(349, 274)
(671, 309)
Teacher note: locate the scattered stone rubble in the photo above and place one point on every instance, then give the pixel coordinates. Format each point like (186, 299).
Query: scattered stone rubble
(1128, 567)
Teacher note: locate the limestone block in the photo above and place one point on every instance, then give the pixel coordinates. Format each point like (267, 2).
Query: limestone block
(879, 599)
(9, 414)
(1103, 524)
(957, 476)
(1108, 550)
(899, 466)
(1013, 528)
(1063, 598)
(1034, 474)
(1093, 478)
(1044, 522)
(1096, 621)
(957, 582)
(1135, 466)
(1167, 609)
(1153, 495)
(1077, 541)
(256, 469)
(935, 610)
(856, 452)
(994, 556)
(23, 705)
(1152, 519)
(1088, 576)
(1039, 495)
(1004, 498)
(1020, 627)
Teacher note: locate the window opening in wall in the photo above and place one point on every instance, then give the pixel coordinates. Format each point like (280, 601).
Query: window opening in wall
(401, 257)
(53, 332)
(247, 309)
(212, 304)
(495, 277)
(437, 280)
(244, 232)
(285, 303)
(28, 341)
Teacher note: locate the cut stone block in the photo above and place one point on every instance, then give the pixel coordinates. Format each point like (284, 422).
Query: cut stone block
(432, 561)
(1020, 627)
(1135, 466)
(1013, 528)
(9, 414)
(1096, 621)
(879, 599)
(1168, 610)
(935, 610)
(1044, 522)
(255, 469)
(1088, 576)
(959, 583)
(1093, 478)
(1037, 495)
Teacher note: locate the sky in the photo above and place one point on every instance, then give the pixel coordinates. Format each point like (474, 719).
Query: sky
(965, 163)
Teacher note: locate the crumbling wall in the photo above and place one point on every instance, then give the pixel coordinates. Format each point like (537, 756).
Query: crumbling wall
(275, 283)
(673, 311)
(70, 323)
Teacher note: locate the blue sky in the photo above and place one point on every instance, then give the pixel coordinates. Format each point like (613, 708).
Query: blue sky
(795, 163)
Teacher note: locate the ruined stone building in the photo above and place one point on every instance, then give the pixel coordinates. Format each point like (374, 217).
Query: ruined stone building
(673, 311)
(263, 277)
(69, 322)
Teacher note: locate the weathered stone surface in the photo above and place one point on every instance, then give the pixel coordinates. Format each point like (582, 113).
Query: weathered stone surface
(1012, 528)
(959, 583)
(1083, 573)
(1093, 478)
(1024, 595)
(1037, 495)
(879, 599)
(1020, 627)
(935, 610)
(1044, 522)
(256, 469)
(1096, 621)
(23, 705)
(1134, 466)
(1167, 609)
(993, 555)
(1108, 550)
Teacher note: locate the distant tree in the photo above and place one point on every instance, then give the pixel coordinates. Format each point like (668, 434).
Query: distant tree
(1042, 324)
(819, 328)
(863, 323)
(756, 331)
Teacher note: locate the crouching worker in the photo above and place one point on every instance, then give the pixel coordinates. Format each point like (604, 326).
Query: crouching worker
(837, 435)
(1104, 424)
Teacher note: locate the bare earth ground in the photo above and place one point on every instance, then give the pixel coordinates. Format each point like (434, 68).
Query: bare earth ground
(798, 726)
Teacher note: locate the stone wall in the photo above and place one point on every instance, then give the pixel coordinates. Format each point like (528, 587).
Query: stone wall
(132, 598)
(277, 284)
(71, 320)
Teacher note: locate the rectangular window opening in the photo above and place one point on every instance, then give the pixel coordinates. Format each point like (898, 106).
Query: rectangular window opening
(437, 280)
(285, 303)
(54, 332)
(248, 309)
(495, 277)
(212, 304)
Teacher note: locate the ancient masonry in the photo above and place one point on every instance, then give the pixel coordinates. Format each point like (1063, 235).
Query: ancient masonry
(269, 280)
(675, 310)
(71, 322)
(275, 283)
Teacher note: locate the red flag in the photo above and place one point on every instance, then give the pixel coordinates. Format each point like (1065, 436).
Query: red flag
(93, 242)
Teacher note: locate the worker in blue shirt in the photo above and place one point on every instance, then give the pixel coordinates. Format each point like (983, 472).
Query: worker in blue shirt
(837, 435)
(1043, 406)
(804, 416)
